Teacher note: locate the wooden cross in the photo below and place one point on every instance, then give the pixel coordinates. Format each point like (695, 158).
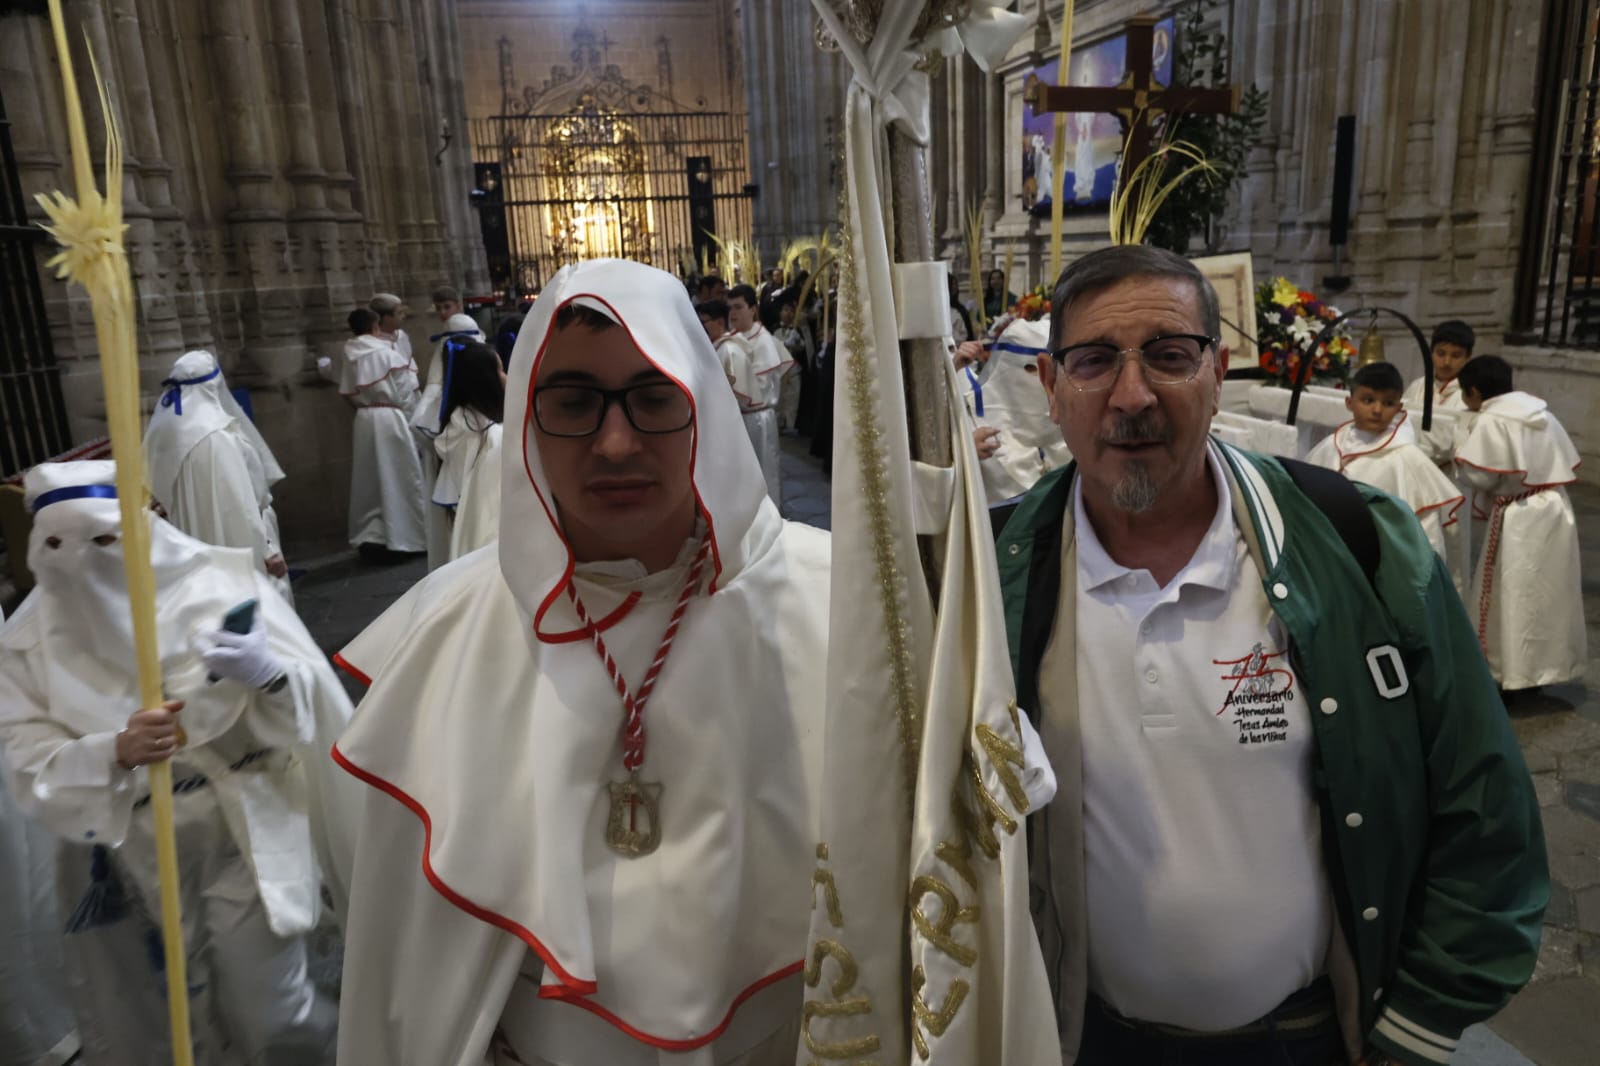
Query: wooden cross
(1138, 100)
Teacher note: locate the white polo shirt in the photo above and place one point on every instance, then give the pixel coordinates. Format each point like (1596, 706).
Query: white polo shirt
(1208, 900)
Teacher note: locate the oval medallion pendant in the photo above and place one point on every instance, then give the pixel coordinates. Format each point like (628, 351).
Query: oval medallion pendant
(634, 825)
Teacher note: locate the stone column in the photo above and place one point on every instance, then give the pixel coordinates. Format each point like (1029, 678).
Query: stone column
(298, 126)
(994, 148)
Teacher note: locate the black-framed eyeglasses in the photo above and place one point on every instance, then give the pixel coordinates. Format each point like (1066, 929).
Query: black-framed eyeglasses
(1174, 359)
(579, 410)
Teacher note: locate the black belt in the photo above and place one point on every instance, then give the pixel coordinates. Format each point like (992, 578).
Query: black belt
(199, 781)
(1307, 1011)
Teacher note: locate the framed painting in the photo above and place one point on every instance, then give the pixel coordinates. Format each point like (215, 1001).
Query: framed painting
(1089, 167)
(1233, 276)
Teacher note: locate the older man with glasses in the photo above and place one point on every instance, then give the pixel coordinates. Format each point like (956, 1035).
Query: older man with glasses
(595, 753)
(1293, 825)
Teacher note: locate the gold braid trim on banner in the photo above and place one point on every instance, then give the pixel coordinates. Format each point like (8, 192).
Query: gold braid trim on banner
(875, 492)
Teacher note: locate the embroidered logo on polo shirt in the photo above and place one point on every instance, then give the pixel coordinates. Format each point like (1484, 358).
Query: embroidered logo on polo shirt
(1260, 692)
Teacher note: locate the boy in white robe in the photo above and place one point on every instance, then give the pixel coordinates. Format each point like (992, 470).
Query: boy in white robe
(247, 727)
(1378, 446)
(738, 361)
(1527, 591)
(386, 486)
(537, 880)
(769, 361)
(210, 469)
(1452, 347)
(468, 485)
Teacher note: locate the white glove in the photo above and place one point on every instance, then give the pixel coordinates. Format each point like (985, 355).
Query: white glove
(1038, 779)
(325, 367)
(243, 657)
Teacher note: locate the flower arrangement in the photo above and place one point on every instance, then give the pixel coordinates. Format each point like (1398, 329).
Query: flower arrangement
(1034, 305)
(1288, 319)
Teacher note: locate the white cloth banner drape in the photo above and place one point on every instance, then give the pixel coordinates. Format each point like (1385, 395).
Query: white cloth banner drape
(923, 806)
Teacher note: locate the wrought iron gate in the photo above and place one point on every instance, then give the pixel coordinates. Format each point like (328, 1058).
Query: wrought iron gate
(33, 418)
(559, 188)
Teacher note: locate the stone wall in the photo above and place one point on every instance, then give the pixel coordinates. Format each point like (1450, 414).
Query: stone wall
(1569, 381)
(285, 158)
(796, 93)
(687, 50)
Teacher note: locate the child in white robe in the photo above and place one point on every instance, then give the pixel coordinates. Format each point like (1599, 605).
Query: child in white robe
(1527, 591)
(468, 485)
(738, 361)
(1379, 446)
(1452, 347)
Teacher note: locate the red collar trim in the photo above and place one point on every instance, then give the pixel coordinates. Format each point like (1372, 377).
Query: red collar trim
(1345, 458)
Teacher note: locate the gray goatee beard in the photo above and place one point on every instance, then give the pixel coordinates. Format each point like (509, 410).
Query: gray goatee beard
(1136, 493)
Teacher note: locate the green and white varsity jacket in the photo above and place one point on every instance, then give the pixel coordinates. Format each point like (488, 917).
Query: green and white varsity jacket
(1441, 887)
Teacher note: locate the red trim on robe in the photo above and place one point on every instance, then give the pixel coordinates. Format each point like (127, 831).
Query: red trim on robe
(344, 664)
(578, 986)
(571, 990)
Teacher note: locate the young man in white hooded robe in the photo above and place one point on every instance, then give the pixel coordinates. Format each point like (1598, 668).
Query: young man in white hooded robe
(428, 420)
(1527, 590)
(387, 495)
(210, 469)
(543, 877)
(1378, 446)
(247, 727)
(762, 388)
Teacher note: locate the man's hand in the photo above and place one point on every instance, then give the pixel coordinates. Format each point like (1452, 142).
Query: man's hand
(276, 566)
(987, 439)
(150, 736)
(243, 657)
(967, 353)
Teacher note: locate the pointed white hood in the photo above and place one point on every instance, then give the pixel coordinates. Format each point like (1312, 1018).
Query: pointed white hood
(196, 403)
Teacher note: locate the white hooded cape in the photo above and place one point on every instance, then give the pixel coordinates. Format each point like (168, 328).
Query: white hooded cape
(1527, 591)
(1005, 393)
(208, 465)
(492, 731)
(468, 484)
(67, 686)
(1394, 462)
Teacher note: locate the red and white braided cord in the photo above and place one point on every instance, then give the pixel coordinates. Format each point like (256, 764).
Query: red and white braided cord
(1491, 556)
(633, 704)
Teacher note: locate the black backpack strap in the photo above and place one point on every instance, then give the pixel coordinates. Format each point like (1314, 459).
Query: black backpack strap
(1344, 506)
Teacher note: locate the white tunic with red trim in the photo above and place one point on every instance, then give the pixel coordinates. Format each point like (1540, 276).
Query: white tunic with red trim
(1527, 592)
(1394, 462)
(487, 908)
